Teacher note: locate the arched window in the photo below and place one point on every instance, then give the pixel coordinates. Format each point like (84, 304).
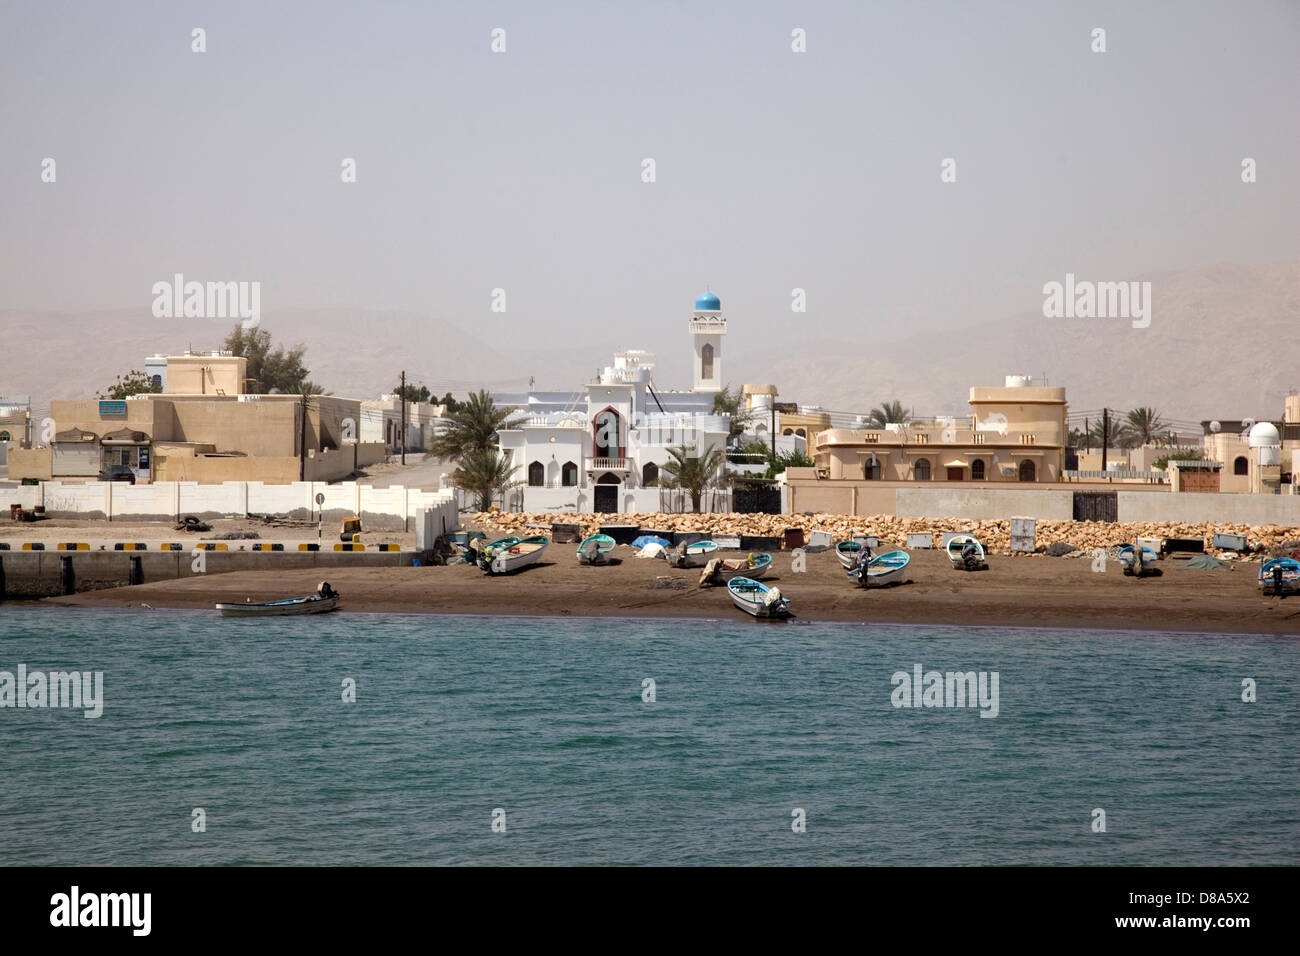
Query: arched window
(801, 433)
(4, 436)
(607, 434)
(569, 475)
(649, 474)
(1240, 466)
(706, 362)
(157, 381)
(788, 431)
(922, 469)
(536, 474)
(871, 470)
(977, 470)
(1027, 470)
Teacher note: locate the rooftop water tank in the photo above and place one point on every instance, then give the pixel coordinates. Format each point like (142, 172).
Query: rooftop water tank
(1019, 381)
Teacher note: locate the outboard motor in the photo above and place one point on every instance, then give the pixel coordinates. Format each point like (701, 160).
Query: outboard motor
(970, 556)
(1277, 579)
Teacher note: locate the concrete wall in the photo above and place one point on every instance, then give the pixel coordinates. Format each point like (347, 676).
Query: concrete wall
(30, 462)
(381, 509)
(985, 503)
(1222, 507)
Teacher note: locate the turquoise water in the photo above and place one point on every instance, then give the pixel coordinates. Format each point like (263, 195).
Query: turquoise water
(544, 718)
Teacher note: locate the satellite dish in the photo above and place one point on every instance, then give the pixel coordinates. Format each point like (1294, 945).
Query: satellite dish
(1215, 427)
(1247, 424)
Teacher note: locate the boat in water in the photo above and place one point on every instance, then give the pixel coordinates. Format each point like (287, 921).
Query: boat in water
(721, 570)
(1279, 576)
(883, 569)
(511, 554)
(695, 555)
(325, 599)
(595, 549)
(757, 599)
(966, 553)
(1126, 559)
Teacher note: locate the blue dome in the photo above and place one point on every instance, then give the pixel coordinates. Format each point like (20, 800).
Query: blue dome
(708, 303)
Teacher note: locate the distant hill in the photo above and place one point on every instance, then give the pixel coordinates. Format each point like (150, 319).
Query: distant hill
(1222, 343)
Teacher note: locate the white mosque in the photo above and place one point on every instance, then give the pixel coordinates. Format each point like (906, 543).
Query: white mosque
(600, 449)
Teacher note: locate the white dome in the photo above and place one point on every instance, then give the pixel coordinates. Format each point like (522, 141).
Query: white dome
(1263, 434)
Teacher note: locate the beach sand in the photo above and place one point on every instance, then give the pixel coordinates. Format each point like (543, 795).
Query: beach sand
(1037, 591)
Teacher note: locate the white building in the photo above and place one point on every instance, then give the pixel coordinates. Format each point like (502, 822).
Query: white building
(381, 420)
(600, 448)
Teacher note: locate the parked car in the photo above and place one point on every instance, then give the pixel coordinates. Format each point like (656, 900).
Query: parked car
(117, 473)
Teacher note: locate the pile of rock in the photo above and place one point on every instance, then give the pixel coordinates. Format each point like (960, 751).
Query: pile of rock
(893, 530)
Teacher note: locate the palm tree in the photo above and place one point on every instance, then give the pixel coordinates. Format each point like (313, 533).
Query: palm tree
(485, 474)
(890, 413)
(472, 427)
(1141, 426)
(727, 402)
(691, 472)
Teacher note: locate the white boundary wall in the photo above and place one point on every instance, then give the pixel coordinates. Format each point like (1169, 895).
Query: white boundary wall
(381, 509)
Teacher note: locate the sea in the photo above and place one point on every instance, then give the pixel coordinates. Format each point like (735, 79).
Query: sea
(360, 739)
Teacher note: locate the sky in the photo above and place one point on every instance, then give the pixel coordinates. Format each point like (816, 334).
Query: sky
(522, 170)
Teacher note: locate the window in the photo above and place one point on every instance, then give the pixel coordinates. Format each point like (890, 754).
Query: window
(788, 431)
(536, 474)
(569, 475)
(1027, 470)
(921, 470)
(871, 470)
(649, 474)
(1240, 466)
(157, 381)
(977, 470)
(4, 436)
(706, 362)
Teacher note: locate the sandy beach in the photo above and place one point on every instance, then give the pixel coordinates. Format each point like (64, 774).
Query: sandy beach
(1032, 590)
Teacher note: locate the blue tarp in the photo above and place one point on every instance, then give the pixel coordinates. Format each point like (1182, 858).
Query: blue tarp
(645, 539)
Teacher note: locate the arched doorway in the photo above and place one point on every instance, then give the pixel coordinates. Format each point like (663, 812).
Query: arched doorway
(921, 470)
(606, 494)
(1027, 470)
(1240, 466)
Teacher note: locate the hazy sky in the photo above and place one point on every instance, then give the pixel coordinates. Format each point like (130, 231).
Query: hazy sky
(522, 170)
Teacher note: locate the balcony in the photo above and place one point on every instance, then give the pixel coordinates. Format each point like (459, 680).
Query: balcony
(609, 464)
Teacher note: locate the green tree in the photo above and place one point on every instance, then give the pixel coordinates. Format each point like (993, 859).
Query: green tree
(692, 472)
(485, 474)
(794, 459)
(472, 427)
(1141, 426)
(134, 382)
(727, 402)
(414, 393)
(270, 370)
(453, 406)
(890, 413)
(1181, 454)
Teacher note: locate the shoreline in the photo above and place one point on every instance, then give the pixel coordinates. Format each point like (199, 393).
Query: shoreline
(1021, 592)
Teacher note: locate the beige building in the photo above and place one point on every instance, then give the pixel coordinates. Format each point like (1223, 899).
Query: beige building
(206, 438)
(1015, 432)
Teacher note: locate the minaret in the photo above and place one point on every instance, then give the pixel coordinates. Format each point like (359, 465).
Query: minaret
(707, 329)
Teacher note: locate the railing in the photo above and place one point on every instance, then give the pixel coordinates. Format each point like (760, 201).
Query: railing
(1160, 477)
(607, 464)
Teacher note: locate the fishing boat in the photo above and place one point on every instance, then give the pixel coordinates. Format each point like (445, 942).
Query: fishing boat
(595, 549)
(847, 552)
(1126, 558)
(325, 599)
(502, 557)
(966, 553)
(757, 599)
(720, 570)
(1279, 576)
(695, 555)
(883, 569)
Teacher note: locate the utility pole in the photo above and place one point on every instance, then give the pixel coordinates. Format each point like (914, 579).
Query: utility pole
(773, 429)
(1105, 436)
(302, 442)
(402, 395)
(1087, 436)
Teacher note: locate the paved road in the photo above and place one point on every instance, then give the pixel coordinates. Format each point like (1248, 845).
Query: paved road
(418, 473)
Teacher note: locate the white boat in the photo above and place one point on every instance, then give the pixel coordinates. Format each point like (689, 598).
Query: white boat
(695, 555)
(847, 552)
(501, 557)
(325, 599)
(720, 570)
(1126, 559)
(595, 549)
(757, 599)
(883, 569)
(966, 553)
(1279, 576)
